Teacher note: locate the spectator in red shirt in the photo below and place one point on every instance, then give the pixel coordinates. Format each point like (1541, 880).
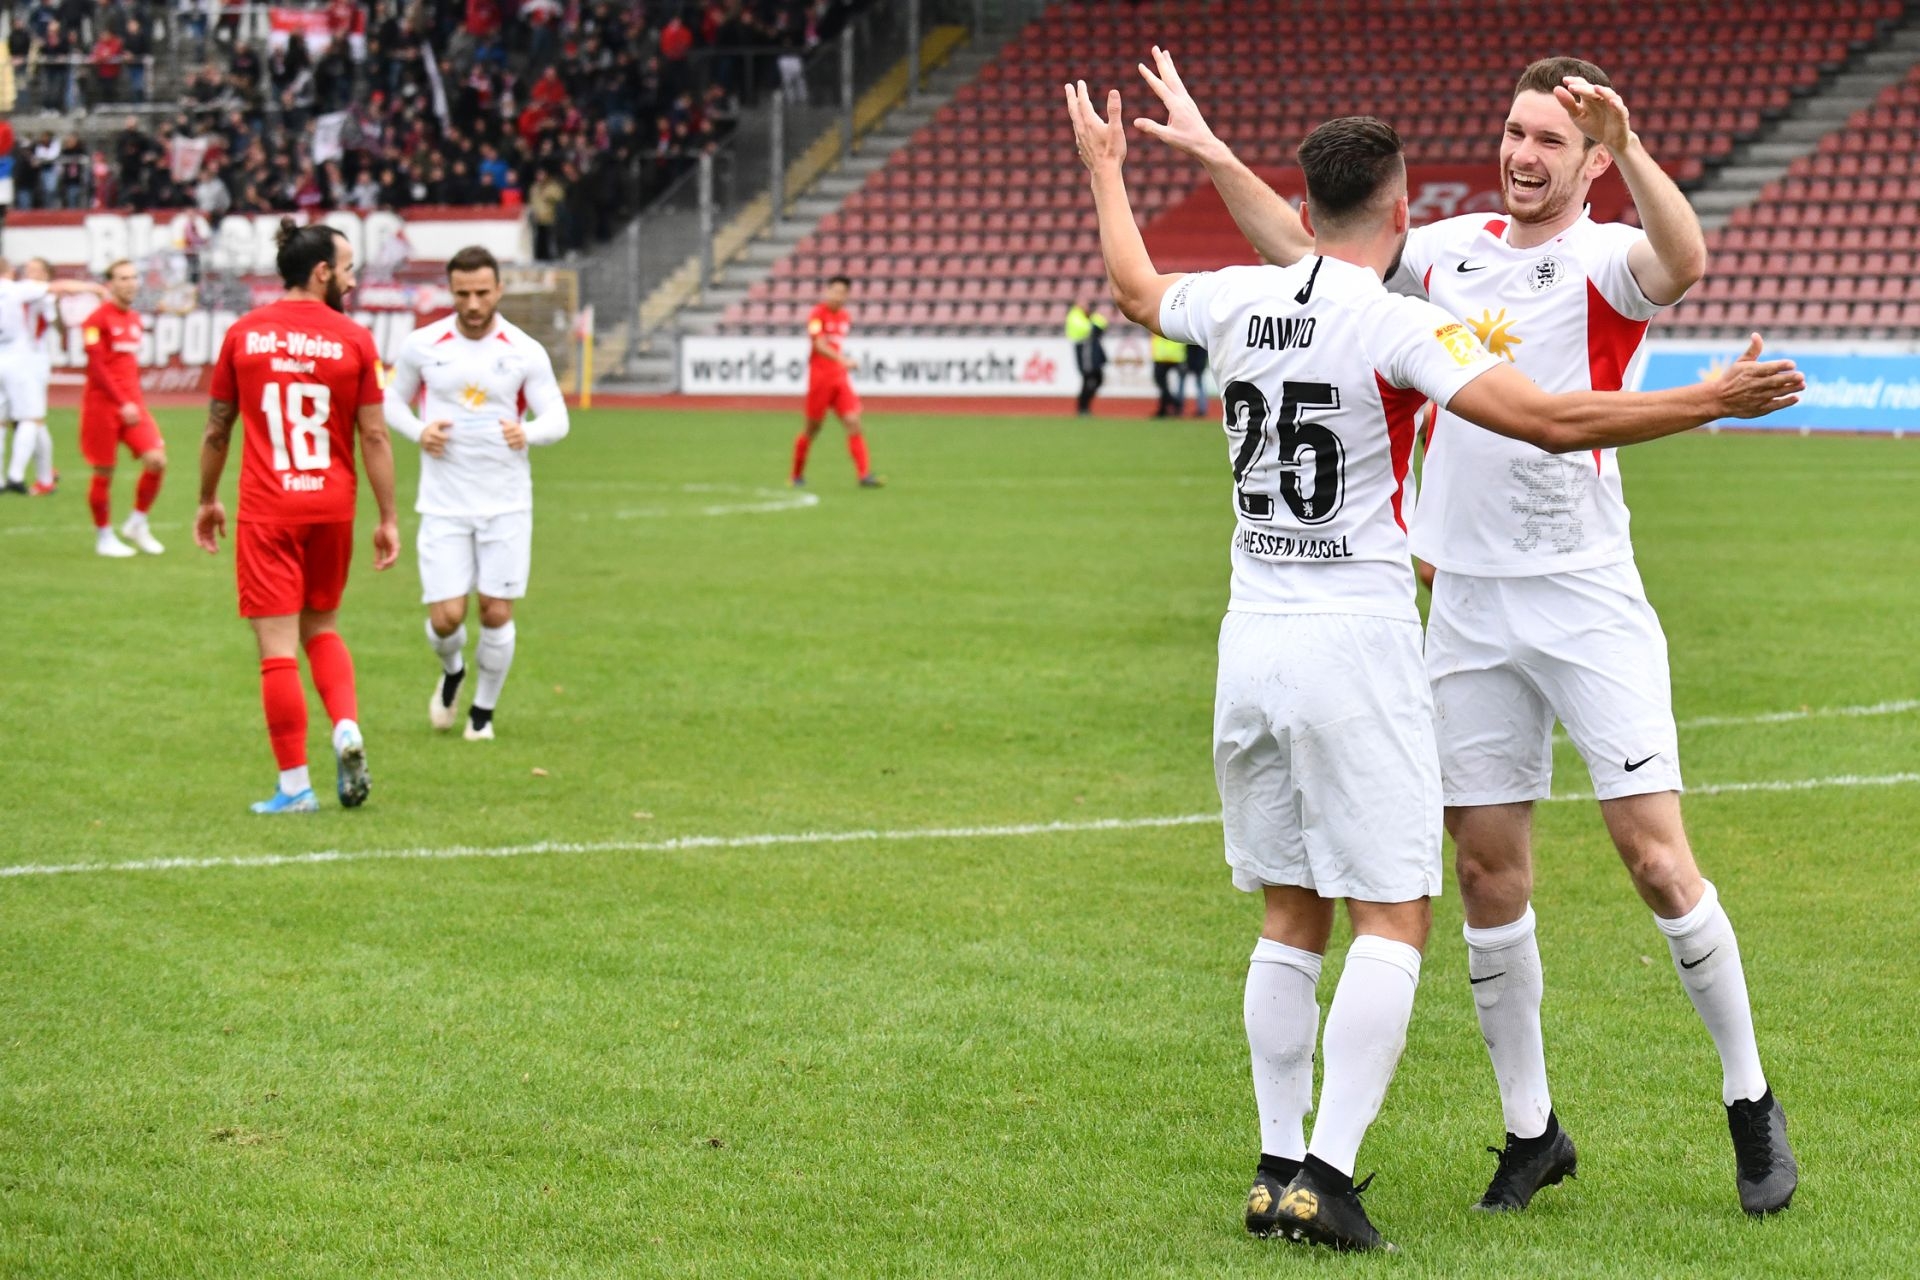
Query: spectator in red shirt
(676, 40)
(109, 51)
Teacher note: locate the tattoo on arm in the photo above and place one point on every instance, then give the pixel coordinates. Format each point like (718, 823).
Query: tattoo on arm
(220, 416)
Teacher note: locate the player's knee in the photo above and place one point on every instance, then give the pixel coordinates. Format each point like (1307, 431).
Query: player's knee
(495, 613)
(1662, 869)
(155, 462)
(447, 615)
(1489, 877)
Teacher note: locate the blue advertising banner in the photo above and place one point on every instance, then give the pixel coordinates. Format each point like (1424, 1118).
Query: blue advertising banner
(1850, 387)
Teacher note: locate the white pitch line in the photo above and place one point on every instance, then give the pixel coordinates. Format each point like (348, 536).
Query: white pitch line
(1894, 707)
(677, 844)
(1790, 784)
(871, 836)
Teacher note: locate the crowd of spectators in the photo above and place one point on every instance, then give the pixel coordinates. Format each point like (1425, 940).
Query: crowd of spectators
(578, 111)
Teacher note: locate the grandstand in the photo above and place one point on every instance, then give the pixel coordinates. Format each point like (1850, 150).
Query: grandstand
(981, 224)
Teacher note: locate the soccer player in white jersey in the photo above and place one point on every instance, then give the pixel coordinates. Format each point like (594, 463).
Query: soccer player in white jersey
(481, 376)
(1323, 720)
(1538, 610)
(26, 367)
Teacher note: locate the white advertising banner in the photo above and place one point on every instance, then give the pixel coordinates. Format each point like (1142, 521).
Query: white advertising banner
(244, 243)
(988, 365)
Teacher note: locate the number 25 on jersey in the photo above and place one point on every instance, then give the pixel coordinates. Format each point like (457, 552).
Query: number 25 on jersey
(1309, 459)
(301, 408)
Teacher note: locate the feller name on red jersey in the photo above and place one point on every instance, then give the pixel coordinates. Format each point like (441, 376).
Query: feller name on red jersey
(299, 372)
(834, 326)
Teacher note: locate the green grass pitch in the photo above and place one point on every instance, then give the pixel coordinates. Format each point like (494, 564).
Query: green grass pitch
(1010, 1055)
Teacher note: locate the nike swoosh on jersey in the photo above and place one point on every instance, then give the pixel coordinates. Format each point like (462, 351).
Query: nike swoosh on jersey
(1463, 268)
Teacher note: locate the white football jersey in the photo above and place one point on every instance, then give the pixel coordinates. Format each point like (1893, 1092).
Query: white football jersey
(475, 385)
(1322, 373)
(1569, 315)
(25, 314)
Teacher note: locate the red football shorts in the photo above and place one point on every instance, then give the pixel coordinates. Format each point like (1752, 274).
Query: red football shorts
(102, 433)
(286, 568)
(836, 394)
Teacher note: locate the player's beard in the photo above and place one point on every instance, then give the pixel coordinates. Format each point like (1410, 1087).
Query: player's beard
(1399, 250)
(336, 296)
(1553, 201)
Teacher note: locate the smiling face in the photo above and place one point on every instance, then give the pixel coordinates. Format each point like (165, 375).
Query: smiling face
(1546, 166)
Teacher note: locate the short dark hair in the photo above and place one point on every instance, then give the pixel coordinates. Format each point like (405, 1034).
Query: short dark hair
(1346, 161)
(1548, 74)
(114, 266)
(475, 257)
(845, 280)
(302, 249)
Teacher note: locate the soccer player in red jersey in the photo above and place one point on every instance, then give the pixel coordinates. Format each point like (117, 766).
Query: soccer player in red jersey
(830, 385)
(303, 379)
(112, 414)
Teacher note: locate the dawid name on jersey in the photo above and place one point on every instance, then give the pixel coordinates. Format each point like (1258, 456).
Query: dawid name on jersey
(1279, 333)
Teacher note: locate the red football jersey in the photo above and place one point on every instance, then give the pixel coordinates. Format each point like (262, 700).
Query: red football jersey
(300, 371)
(112, 336)
(834, 326)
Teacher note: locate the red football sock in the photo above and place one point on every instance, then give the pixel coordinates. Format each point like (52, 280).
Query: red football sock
(145, 491)
(801, 443)
(857, 446)
(286, 705)
(100, 499)
(332, 669)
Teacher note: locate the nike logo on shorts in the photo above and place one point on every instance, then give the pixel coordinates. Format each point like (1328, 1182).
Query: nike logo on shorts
(1635, 764)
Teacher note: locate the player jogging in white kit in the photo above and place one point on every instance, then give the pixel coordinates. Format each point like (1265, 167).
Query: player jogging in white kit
(1538, 610)
(27, 316)
(1323, 741)
(481, 376)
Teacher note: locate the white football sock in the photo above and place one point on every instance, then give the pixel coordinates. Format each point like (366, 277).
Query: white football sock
(135, 520)
(449, 647)
(1503, 965)
(26, 439)
(1707, 958)
(493, 657)
(294, 781)
(43, 456)
(1283, 1021)
(1366, 1032)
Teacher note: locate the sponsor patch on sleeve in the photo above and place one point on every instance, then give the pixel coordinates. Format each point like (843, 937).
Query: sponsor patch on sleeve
(814, 326)
(1460, 344)
(92, 335)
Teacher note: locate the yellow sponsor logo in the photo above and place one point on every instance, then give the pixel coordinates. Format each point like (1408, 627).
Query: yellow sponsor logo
(1496, 331)
(1460, 344)
(92, 335)
(473, 397)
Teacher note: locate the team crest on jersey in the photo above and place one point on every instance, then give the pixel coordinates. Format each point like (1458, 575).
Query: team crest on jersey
(473, 397)
(1545, 274)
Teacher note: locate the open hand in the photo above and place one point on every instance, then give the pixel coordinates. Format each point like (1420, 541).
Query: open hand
(1185, 130)
(1598, 110)
(1102, 143)
(514, 432)
(1750, 389)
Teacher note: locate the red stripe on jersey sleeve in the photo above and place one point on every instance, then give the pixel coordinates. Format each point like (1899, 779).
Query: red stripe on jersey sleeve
(1612, 340)
(1401, 406)
(1497, 228)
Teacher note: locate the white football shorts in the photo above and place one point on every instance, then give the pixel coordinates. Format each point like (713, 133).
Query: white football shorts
(488, 554)
(1509, 655)
(1323, 749)
(23, 386)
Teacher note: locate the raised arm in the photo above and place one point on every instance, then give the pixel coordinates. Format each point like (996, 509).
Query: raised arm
(1506, 401)
(1673, 256)
(1137, 288)
(1263, 215)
